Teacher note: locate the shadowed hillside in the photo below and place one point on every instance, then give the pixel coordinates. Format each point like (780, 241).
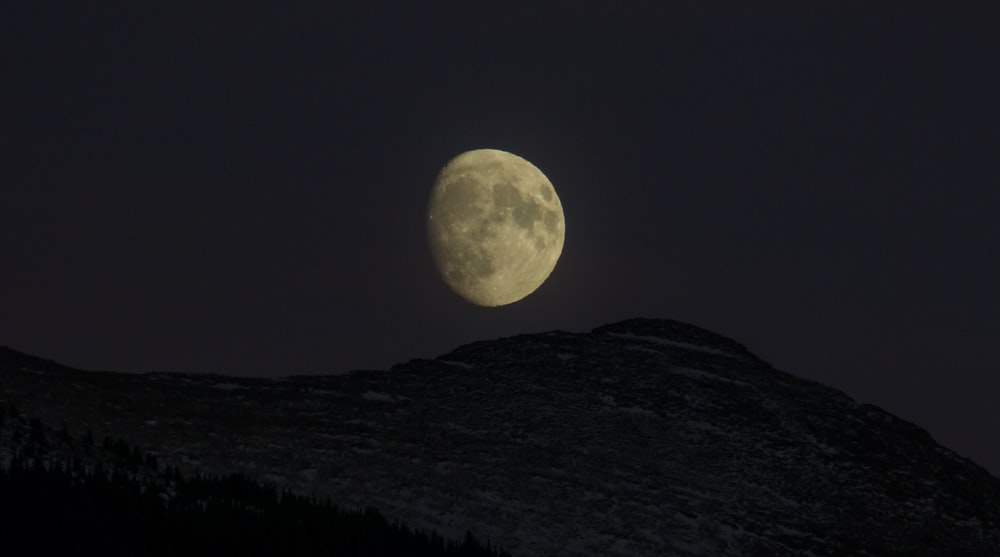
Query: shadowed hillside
(645, 437)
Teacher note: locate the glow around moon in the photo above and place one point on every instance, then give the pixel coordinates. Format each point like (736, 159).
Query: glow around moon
(495, 226)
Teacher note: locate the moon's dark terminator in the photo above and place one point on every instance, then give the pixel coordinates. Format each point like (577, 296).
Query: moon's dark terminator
(495, 226)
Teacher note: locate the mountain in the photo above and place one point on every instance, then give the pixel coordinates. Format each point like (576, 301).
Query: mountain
(645, 437)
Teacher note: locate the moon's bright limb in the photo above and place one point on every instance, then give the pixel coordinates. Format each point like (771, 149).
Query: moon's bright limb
(495, 226)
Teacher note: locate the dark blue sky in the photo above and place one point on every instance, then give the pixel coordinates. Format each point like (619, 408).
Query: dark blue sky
(240, 187)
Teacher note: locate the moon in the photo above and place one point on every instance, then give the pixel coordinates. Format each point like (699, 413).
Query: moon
(495, 226)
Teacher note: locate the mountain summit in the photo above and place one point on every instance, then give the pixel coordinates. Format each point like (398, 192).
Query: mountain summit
(644, 437)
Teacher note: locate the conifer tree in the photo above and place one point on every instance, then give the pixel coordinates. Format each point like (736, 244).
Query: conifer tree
(36, 433)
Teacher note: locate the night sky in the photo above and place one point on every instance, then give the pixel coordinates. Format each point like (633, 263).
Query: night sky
(241, 187)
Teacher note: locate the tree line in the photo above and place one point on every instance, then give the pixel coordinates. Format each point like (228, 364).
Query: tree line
(62, 495)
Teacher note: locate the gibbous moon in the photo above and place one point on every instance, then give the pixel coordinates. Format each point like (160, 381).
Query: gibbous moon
(495, 226)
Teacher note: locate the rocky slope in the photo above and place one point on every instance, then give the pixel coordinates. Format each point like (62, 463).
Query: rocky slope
(645, 437)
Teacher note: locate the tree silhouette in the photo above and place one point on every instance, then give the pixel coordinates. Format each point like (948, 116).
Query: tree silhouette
(119, 502)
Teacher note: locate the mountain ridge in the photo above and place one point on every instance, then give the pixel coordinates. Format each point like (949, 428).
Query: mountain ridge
(641, 437)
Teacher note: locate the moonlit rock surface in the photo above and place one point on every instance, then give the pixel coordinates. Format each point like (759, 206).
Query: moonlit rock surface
(646, 437)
